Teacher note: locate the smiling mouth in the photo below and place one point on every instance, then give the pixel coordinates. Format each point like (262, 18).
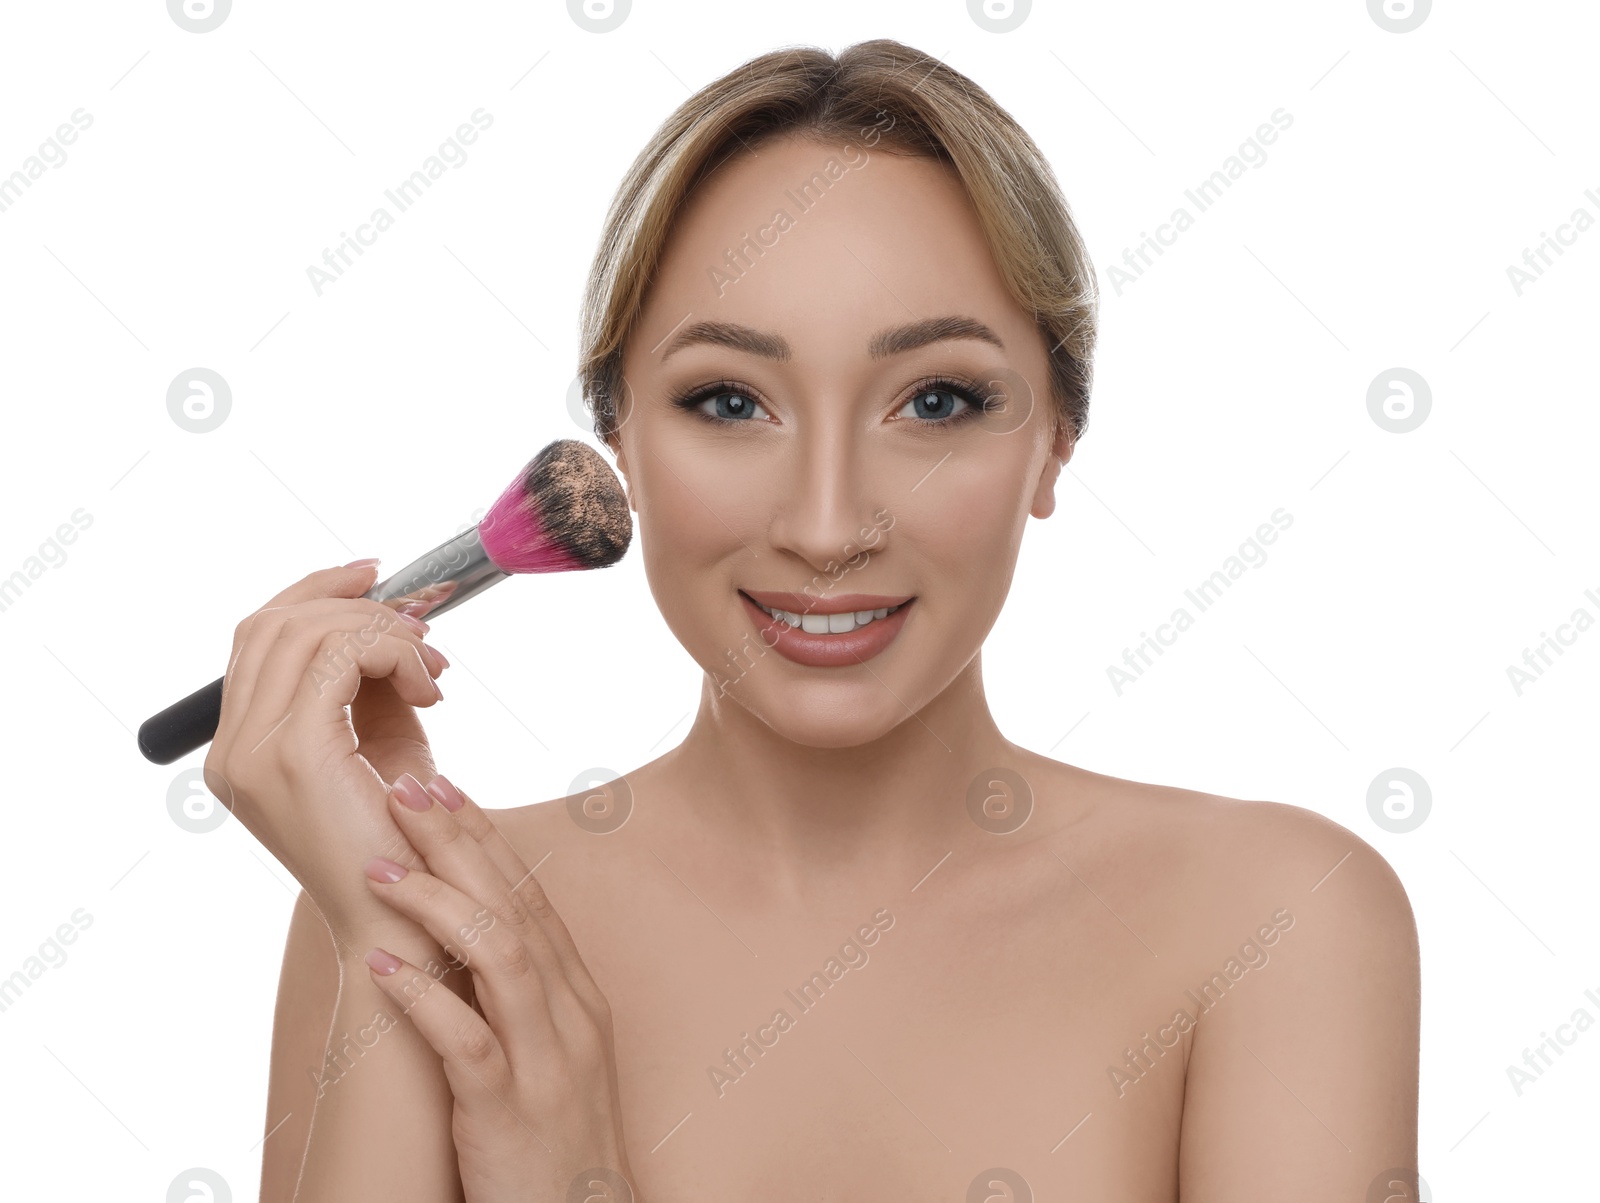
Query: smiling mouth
(814, 621)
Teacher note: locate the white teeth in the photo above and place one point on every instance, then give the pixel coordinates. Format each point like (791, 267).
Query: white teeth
(830, 624)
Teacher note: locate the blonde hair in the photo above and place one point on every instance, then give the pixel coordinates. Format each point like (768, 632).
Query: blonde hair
(936, 112)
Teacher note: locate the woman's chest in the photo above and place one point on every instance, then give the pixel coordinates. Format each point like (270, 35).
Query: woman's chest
(898, 1051)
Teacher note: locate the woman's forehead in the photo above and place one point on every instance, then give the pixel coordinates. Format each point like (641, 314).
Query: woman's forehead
(766, 245)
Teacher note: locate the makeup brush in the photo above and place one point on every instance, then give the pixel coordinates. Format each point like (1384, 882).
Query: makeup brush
(565, 511)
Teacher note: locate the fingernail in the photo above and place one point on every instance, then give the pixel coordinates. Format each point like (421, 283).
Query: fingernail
(437, 655)
(449, 796)
(381, 868)
(382, 962)
(362, 563)
(409, 790)
(415, 623)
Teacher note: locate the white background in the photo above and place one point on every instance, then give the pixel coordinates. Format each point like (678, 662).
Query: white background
(380, 416)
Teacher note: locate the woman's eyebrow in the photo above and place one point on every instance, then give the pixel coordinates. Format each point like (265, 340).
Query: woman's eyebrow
(885, 343)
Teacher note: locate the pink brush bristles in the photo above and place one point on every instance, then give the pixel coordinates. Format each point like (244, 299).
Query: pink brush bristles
(566, 510)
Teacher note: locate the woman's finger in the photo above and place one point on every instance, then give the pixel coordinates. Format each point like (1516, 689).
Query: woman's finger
(471, 818)
(526, 887)
(516, 978)
(474, 1061)
(257, 645)
(318, 670)
(327, 582)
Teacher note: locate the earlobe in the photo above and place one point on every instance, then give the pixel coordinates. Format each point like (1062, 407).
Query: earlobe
(1044, 498)
(622, 470)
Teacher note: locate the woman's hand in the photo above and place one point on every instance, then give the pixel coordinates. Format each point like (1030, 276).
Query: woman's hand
(288, 760)
(531, 1062)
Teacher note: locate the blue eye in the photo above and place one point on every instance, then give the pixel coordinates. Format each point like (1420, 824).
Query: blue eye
(729, 403)
(733, 406)
(936, 402)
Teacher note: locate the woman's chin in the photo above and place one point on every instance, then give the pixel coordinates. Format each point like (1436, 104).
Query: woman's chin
(821, 718)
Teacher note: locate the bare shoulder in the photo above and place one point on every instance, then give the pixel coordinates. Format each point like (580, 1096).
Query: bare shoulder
(1287, 949)
(567, 824)
(1226, 860)
(536, 827)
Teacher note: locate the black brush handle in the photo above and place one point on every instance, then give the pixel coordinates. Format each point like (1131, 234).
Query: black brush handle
(183, 726)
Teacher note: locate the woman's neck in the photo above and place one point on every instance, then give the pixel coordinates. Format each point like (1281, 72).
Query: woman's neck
(807, 815)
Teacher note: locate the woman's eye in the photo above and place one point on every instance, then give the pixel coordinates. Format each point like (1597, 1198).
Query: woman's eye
(730, 406)
(935, 404)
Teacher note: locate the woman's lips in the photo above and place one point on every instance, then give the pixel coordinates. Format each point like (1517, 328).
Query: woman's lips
(826, 651)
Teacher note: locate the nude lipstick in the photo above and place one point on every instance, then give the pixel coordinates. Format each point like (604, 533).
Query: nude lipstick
(819, 648)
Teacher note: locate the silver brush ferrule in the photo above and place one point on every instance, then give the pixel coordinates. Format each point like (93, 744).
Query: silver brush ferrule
(443, 578)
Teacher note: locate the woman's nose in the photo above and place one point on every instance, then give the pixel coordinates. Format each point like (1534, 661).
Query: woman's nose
(825, 503)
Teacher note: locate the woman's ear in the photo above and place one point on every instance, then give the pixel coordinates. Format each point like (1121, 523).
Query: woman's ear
(1044, 498)
(615, 443)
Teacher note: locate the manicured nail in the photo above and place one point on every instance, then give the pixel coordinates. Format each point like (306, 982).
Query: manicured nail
(443, 663)
(382, 962)
(409, 790)
(381, 868)
(449, 796)
(362, 563)
(412, 621)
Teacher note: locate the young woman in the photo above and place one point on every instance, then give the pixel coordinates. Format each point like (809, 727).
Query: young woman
(846, 941)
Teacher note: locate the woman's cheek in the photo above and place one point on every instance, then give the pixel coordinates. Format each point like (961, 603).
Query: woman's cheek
(974, 536)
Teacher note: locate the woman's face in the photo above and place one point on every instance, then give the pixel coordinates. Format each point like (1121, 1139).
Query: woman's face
(793, 303)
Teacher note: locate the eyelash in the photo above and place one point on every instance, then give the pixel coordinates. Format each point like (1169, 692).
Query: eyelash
(969, 390)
